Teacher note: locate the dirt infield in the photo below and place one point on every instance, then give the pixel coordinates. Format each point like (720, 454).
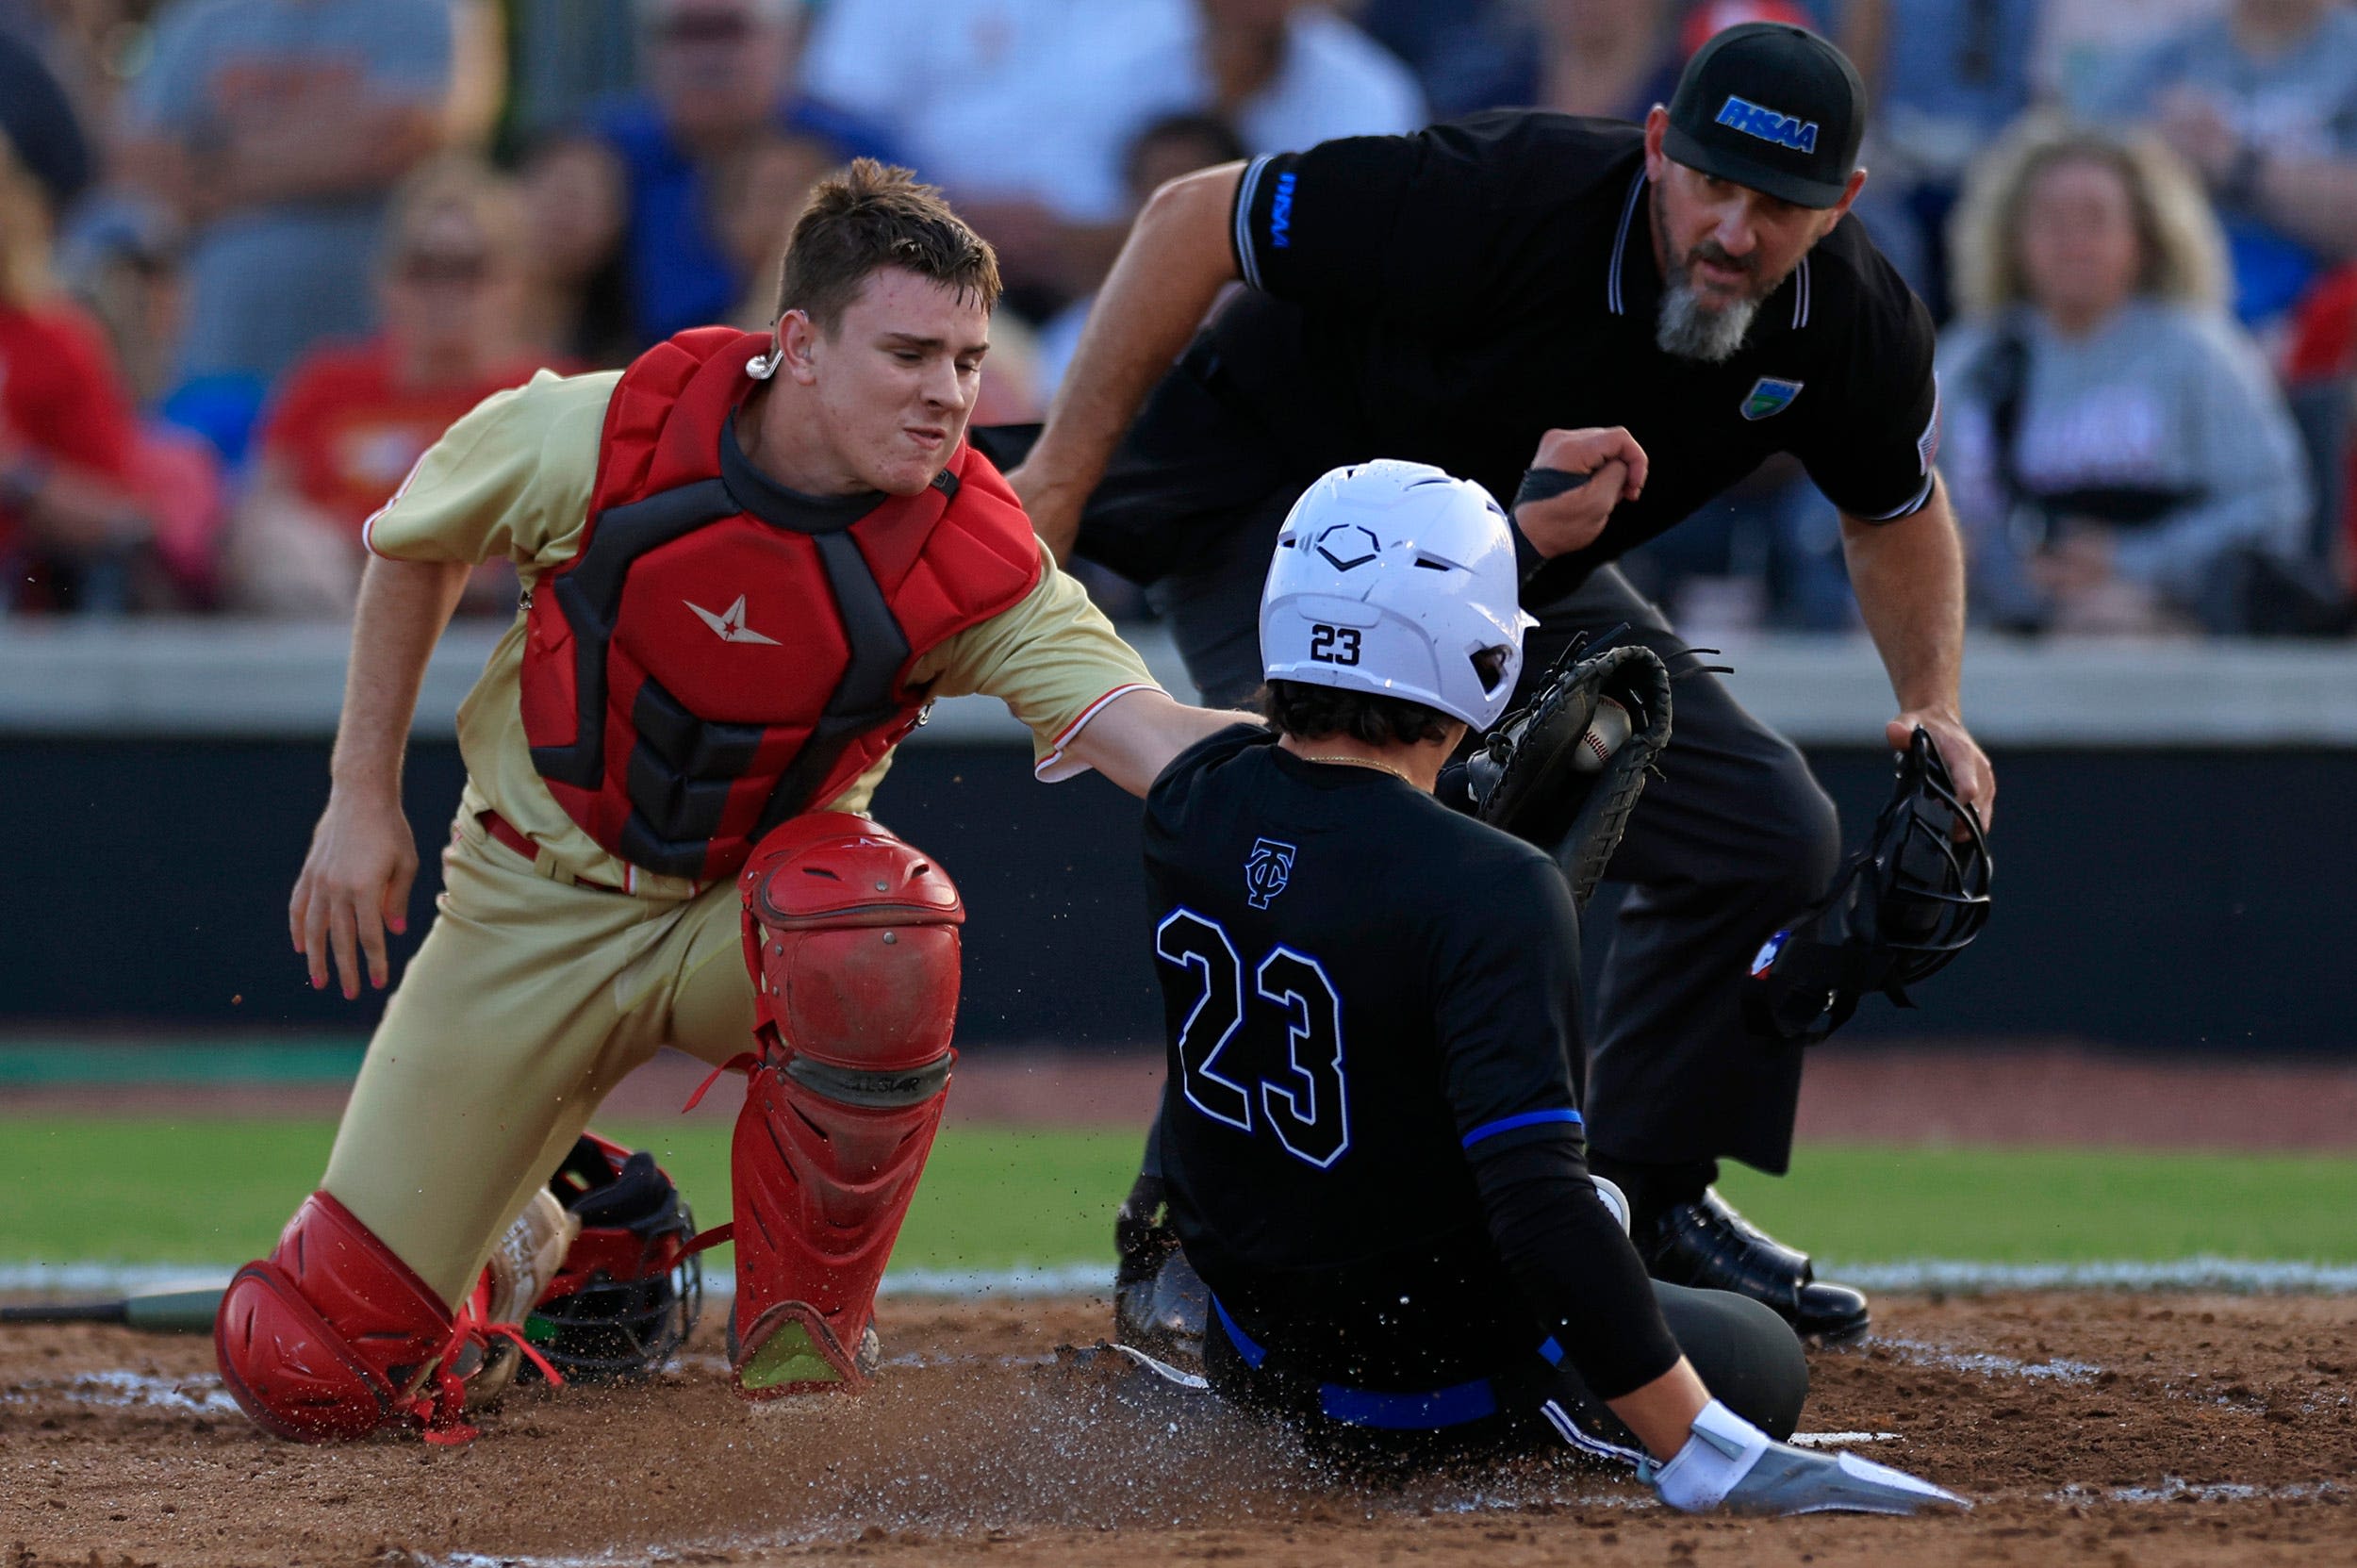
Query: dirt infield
(2109, 1429)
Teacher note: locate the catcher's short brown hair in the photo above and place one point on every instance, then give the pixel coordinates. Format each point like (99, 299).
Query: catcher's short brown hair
(868, 217)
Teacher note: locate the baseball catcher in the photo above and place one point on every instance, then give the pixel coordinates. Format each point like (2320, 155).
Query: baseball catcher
(1375, 1152)
(749, 562)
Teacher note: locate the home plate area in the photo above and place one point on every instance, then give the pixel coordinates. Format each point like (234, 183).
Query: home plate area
(2111, 1428)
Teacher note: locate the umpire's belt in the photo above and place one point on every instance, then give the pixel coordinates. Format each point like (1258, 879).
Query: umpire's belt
(1454, 1406)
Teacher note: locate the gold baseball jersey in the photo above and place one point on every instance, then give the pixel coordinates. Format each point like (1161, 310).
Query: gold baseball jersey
(533, 994)
(514, 478)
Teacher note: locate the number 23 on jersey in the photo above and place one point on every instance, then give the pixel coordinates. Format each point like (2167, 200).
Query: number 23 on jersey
(1308, 1107)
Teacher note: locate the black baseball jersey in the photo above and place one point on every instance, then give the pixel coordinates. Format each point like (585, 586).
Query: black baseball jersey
(1367, 995)
(1450, 295)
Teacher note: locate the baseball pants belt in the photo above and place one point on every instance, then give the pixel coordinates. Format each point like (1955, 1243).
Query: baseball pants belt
(506, 833)
(1454, 1406)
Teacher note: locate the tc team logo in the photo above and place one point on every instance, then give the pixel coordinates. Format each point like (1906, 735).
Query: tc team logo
(1769, 396)
(1740, 114)
(1267, 870)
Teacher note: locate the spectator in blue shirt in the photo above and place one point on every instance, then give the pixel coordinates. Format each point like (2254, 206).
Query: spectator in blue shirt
(719, 77)
(2263, 102)
(1946, 77)
(276, 130)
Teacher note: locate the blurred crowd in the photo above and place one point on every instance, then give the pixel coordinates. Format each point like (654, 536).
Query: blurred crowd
(256, 255)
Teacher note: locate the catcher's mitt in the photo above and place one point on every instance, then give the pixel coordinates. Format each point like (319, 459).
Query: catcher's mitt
(1527, 780)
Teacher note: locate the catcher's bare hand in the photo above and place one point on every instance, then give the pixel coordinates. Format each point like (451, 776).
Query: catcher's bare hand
(1968, 765)
(1053, 508)
(355, 886)
(1615, 466)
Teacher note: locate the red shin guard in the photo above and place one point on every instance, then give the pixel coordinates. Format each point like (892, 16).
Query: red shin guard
(852, 938)
(331, 1336)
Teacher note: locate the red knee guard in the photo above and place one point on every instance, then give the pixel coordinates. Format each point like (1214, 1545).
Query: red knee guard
(852, 938)
(331, 1336)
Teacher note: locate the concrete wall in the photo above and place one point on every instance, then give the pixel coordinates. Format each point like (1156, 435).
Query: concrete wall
(2174, 854)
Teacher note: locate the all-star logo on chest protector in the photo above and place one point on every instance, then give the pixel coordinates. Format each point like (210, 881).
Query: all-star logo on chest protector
(715, 659)
(730, 623)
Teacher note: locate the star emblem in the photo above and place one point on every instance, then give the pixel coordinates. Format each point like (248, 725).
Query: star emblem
(730, 623)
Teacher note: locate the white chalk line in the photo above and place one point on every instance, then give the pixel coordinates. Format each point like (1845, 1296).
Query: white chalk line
(200, 1392)
(2205, 1272)
(1984, 1363)
(2176, 1489)
(1022, 1282)
(2232, 1275)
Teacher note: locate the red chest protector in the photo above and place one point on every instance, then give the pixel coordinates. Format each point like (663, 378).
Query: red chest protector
(721, 655)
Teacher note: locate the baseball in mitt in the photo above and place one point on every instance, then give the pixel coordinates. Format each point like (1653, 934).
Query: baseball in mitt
(1564, 771)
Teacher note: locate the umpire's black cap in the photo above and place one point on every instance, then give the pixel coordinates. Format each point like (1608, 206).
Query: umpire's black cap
(1773, 106)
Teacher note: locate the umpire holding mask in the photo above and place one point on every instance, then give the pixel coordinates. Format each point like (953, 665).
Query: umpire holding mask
(1660, 307)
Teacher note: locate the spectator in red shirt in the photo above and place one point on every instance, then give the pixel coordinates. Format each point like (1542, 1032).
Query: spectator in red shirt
(352, 418)
(74, 531)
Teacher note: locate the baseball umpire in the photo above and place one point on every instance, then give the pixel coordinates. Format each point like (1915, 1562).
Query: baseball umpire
(1465, 296)
(1372, 1005)
(748, 563)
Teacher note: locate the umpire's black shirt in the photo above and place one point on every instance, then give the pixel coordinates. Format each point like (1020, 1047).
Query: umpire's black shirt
(1450, 295)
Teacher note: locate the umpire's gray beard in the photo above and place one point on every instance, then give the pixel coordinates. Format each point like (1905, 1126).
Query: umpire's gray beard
(1688, 329)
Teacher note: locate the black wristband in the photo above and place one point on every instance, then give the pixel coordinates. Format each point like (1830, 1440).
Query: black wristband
(1546, 484)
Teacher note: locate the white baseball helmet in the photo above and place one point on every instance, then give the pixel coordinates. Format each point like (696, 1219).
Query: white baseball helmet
(1395, 579)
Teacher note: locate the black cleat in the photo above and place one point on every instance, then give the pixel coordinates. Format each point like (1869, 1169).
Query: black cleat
(1159, 1302)
(1706, 1245)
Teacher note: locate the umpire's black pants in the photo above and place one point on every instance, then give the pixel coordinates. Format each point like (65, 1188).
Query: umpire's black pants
(1734, 837)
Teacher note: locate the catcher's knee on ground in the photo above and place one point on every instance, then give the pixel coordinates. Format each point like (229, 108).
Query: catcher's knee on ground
(332, 1336)
(852, 939)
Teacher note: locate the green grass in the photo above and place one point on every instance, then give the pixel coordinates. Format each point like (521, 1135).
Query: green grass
(1864, 1204)
(217, 1192)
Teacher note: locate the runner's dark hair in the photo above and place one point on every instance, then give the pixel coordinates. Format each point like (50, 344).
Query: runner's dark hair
(1314, 713)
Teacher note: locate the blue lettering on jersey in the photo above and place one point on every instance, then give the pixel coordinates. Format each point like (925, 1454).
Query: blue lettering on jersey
(1267, 870)
(1767, 124)
(1280, 212)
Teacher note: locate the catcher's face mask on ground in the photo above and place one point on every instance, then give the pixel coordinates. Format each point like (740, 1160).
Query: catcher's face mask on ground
(1899, 912)
(626, 1298)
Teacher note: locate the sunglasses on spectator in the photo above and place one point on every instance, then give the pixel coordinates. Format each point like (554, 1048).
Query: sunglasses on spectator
(430, 268)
